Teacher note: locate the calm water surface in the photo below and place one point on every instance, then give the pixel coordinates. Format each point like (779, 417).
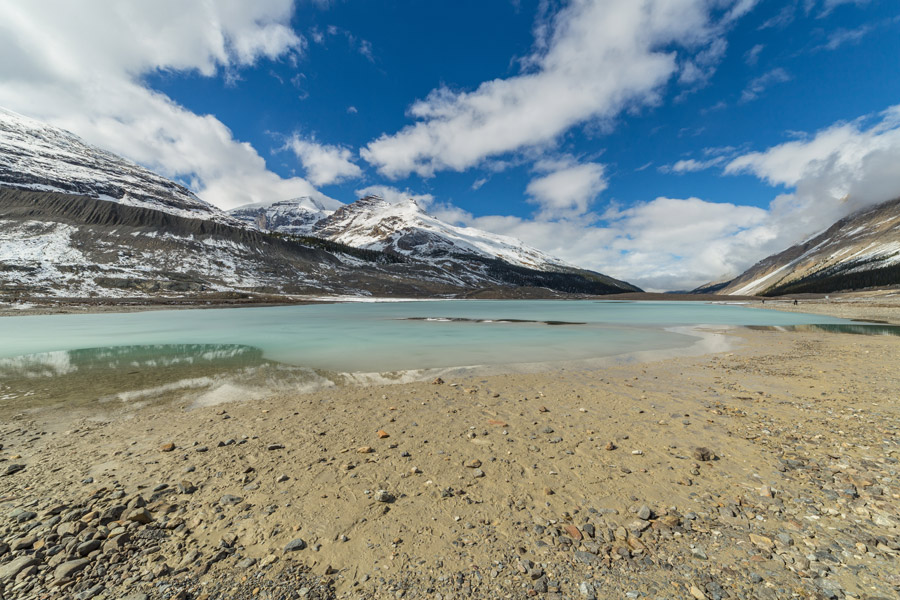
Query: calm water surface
(122, 356)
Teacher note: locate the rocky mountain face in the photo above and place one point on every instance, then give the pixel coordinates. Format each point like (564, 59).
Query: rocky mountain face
(291, 217)
(859, 251)
(76, 221)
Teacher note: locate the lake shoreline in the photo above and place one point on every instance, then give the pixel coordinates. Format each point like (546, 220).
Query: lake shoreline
(877, 306)
(723, 475)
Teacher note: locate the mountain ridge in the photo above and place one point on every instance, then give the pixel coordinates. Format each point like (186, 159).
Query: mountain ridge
(858, 251)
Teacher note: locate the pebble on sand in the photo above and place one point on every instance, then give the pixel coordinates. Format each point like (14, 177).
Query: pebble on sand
(294, 545)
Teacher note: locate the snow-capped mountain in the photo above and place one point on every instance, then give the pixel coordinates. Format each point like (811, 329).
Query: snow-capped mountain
(859, 251)
(292, 217)
(404, 229)
(39, 157)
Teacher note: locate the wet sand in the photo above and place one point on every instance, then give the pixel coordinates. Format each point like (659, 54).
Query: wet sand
(769, 471)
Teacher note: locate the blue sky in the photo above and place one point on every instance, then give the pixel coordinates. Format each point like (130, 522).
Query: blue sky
(666, 142)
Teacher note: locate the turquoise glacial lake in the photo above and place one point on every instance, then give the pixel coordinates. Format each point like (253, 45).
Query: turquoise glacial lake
(94, 356)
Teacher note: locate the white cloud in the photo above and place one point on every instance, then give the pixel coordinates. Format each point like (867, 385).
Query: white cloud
(752, 55)
(591, 61)
(846, 36)
(782, 18)
(671, 243)
(759, 85)
(324, 164)
(842, 168)
(80, 66)
(691, 165)
(660, 245)
(569, 189)
(395, 195)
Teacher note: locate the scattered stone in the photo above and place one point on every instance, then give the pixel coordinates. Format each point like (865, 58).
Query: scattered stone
(644, 513)
(15, 566)
(90, 592)
(275, 447)
(87, 547)
(437, 381)
(703, 454)
(762, 541)
(365, 450)
(697, 593)
(573, 532)
(13, 469)
(611, 446)
(168, 447)
(384, 496)
(381, 433)
(473, 464)
(477, 473)
(140, 515)
(294, 545)
(766, 492)
(67, 569)
(230, 500)
(587, 590)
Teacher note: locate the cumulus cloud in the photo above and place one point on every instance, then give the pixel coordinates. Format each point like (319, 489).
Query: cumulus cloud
(568, 189)
(324, 164)
(843, 168)
(660, 245)
(80, 66)
(591, 61)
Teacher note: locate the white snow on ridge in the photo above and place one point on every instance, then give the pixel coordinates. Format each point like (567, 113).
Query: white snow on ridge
(406, 228)
(39, 157)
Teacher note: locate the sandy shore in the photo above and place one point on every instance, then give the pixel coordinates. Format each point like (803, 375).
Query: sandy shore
(766, 472)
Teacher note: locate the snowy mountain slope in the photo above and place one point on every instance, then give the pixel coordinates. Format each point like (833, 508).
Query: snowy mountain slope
(292, 217)
(861, 250)
(39, 157)
(405, 228)
(62, 245)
